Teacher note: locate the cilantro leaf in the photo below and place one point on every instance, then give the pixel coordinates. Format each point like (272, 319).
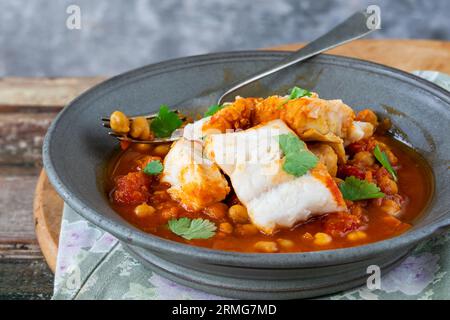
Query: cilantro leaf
(212, 110)
(297, 92)
(165, 123)
(192, 229)
(290, 143)
(383, 159)
(153, 167)
(298, 164)
(298, 159)
(355, 189)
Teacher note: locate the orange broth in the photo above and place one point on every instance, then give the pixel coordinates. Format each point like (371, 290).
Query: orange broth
(414, 185)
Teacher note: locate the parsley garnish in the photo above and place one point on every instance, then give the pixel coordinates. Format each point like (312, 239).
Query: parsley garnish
(165, 123)
(192, 229)
(298, 159)
(153, 167)
(297, 92)
(355, 189)
(212, 110)
(383, 159)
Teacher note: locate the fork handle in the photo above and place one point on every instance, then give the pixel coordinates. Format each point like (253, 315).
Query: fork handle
(353, 28)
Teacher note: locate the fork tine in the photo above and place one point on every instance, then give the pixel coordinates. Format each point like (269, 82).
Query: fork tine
(147, 116)
(122, 137)
(117, 135)
(162, 140)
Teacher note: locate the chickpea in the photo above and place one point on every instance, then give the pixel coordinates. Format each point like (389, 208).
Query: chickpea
(388, 186)
(217, 210)
(307, 236)
(364, 158)
(367, 115)
(266, 246)
(392, 221)
(390, 207)
(161, 150)
(238, 213)
(140, 128)
(143, 147)
(321, 238)
(356, 235)
(226, 227)
(144, 210)
(119, 122)
(246, 229)
(391, 157)
(285, 243)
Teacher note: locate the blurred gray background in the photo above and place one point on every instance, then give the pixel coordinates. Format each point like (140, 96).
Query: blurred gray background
(119, 35)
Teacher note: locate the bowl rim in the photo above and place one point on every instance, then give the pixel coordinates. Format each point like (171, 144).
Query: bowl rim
(136, 237)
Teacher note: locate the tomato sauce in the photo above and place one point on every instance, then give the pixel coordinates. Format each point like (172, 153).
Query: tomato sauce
(414, 184)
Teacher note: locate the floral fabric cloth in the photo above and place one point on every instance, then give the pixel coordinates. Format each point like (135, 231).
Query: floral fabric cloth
(92, 264)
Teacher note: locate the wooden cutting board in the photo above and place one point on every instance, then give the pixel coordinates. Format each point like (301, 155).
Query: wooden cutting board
(407, 55)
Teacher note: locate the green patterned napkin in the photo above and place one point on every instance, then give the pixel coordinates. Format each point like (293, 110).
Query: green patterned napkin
(92, 264)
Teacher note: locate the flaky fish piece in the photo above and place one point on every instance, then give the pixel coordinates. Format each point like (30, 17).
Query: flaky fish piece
(274, 199)
(311, 118)
(236, 115)
(326, 155)
(195, 181)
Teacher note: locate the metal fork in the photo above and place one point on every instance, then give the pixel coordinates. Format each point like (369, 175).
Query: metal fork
(177, 134)
(353, 28)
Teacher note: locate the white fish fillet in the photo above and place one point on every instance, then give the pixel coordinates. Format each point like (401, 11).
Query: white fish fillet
(193, 131)
(195, 181)
(273, 197)
(359, 130)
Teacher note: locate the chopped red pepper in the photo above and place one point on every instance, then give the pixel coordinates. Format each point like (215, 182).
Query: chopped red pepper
(134, 188)
(340, 223)
(347, 170)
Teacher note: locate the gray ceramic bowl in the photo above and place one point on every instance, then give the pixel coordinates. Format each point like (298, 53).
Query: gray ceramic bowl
(76, 148)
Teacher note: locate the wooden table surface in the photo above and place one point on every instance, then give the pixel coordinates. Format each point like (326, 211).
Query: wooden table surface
(27, 107)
